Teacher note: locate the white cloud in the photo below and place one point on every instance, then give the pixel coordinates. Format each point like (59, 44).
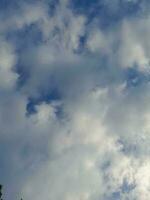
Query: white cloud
(8, 60)
(98, 42)
(101, 138)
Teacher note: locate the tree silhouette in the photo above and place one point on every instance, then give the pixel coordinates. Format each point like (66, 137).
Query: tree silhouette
(1, 187)
(1, 191)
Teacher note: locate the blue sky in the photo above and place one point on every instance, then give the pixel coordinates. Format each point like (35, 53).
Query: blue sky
(74, 99)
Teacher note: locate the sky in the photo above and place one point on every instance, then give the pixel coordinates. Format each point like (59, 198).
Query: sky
(75, 99)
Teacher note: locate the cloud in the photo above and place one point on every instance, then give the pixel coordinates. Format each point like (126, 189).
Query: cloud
(74, 124)
(8, 60)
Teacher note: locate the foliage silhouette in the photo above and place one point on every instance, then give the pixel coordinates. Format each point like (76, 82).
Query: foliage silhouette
(1, 191)
(1, 187)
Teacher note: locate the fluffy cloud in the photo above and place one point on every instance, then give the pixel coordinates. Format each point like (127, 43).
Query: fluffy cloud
(8, 60)
(74, 124)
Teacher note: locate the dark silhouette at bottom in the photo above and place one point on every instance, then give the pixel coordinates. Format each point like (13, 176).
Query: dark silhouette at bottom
(1, 187)
(1, 191)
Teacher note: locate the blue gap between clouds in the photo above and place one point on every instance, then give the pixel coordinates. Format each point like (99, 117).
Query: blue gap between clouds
(24, 39)
(126, 188)
(48, 98)
(135, 78)
(102, 10)
(30, 37)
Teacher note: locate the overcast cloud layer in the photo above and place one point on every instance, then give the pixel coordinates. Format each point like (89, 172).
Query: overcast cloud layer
(75, 99)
